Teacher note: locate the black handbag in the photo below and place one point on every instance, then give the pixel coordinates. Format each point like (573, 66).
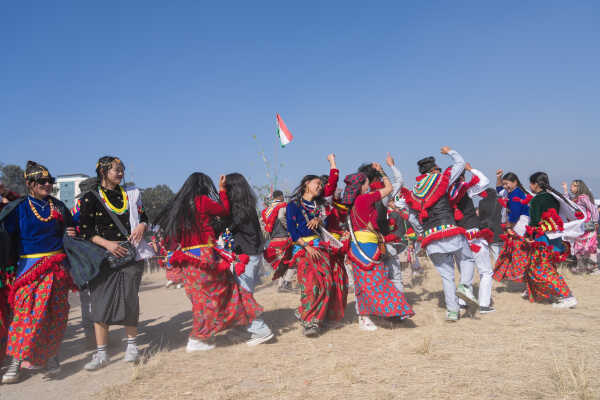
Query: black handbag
(86, 259)
(112, 260)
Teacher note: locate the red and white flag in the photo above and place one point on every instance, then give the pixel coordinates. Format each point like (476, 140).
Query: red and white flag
(285, 136)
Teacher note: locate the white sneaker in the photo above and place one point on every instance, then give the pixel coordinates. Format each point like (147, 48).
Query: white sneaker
(525, 295)
(566, 302)
(365, 324)
(466, 294)
(258, 339)
(169, 284)
(198, 345)
(132, 354)
(179, 285)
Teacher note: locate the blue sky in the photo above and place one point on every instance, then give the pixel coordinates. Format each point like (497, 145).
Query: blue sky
(177, 87)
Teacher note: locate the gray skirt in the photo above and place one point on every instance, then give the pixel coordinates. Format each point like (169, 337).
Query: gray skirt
(114, 295)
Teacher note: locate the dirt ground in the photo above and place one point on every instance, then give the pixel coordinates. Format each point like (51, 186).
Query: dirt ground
(522, 351)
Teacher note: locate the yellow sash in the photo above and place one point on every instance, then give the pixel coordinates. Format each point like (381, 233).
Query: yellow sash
(365, 237)
(199, 246)
(40, 255)
(308, 239)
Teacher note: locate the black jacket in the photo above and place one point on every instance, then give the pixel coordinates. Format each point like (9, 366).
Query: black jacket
(247, 235)
(490, 213)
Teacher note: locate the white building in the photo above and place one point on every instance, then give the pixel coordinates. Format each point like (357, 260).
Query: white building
(66, 187)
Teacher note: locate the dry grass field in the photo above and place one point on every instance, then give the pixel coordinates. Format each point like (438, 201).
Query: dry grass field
(522, 351)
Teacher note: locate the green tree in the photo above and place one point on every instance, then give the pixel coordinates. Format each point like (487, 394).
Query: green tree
(154, 199)
(13, 178)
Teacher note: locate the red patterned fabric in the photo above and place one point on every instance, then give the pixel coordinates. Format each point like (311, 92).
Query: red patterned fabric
(513, 260)
(218, 302)
(276, 251)
(40, 313)
(174, 274)
(543, 281)
(375, 293)
(4, 315)
(323, 290)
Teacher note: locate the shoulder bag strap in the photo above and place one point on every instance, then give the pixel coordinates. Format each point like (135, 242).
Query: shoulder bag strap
(112, 215)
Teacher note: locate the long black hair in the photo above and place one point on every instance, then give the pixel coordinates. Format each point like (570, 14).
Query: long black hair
(242, 199)
(178, 218)
(542, 180)
(104, 164)
(301, 188)
(512, 177)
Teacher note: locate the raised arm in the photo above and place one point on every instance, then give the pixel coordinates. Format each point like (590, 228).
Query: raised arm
(334, 175)
(397, 180)
(458, 165)
(387, 185)
(478, 183)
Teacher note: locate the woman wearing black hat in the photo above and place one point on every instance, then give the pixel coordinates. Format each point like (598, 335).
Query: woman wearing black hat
(34, 228)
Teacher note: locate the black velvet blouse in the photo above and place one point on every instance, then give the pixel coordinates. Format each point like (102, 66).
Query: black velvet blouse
(95, 219)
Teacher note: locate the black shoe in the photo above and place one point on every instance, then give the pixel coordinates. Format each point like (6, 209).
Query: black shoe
(311, 331)
(52, 368)
(486, 310)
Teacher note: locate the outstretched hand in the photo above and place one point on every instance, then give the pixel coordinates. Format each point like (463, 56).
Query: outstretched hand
(499, 173)
(445, 150)
(389, 160)
(468, 167)
(331, 159)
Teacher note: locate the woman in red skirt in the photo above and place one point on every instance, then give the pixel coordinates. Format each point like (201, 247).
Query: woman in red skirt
(323, 288)
(38, 295)
(375, 292)
(218, 302)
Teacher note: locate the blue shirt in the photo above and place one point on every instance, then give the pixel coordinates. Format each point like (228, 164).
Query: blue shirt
(34, 236)
(515, 208)
(296, 222)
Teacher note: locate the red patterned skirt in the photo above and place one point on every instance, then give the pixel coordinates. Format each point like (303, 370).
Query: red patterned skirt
(543, 280)
(513, 260)
(323, 288)
(3, 322)
(218, 302)
(40, 306)
(375, 293)
(174, 274)
(277, 250)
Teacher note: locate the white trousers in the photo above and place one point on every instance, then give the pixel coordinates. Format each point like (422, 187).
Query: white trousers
(485, 269)
(444, 263)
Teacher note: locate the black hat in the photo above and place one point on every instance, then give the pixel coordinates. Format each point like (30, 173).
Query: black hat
(426, 164)
(35, 172)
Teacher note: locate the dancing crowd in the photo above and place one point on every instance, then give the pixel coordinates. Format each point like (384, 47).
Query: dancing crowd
(323, 239)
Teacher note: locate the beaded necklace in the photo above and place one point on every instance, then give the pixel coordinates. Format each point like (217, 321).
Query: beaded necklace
(37, 214)
(118, 211)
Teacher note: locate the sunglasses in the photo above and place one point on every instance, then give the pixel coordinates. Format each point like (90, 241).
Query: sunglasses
(45, 181)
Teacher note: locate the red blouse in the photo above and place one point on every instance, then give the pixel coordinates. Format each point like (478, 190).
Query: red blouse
(206, 209)
(364, 211)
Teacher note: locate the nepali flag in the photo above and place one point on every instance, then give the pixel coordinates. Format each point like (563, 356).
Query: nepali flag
(285, 136)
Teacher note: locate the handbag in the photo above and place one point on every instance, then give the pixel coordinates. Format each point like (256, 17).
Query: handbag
(113, 261)
(85, 259)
